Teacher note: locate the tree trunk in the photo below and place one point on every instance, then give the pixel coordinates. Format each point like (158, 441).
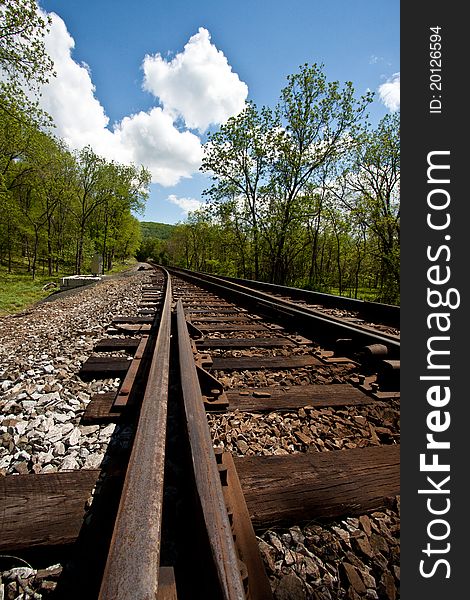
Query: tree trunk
(35, 253)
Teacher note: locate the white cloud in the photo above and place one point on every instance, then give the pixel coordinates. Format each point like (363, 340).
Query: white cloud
(389, 93)
(186, 204)
(69, 97)
(198, 84)
(147, 138)
(154, 142)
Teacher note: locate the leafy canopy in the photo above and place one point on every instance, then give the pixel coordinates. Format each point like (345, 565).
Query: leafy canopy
(24, 62)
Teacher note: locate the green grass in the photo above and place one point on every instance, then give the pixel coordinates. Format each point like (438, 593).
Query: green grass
(120, 267)
(362, 294)
(18, 291)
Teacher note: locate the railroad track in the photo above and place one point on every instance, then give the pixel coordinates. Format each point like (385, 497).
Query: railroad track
(380, 321)
(171, 516)
(384, 315)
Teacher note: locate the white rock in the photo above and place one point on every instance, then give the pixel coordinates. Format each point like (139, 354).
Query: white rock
(69, 463)
(49, 469)
(89, 429)
(74, 437)
(5, 461)
(21, 427)
(107, 431)
(61, 418)
(28, 405)
(54, 434)
(59, 449)
(83, 453)
(47, 424)
(21, 455)
(48, 398)
(44, 457)
(18, 573)
(93, 461)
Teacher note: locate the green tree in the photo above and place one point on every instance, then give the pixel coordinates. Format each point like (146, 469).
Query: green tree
(55, 182)
(370, 189)
(123, 188)
(127, 238)
(321, 122)
(24, 63)
(239, 156)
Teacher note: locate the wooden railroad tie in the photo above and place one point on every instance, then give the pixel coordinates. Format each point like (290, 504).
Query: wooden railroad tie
(48, 509)
(43, 510)
(108, 407)
(268, 399)
(242, 363)
(273, 342)
(101, 367)
(318, 485)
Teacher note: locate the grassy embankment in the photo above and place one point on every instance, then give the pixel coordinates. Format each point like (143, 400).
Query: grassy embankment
(19, 291)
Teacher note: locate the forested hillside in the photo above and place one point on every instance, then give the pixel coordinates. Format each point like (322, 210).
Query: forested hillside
(154, 244)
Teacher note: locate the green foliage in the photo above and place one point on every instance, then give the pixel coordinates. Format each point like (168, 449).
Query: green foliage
(18, 290)
(24, 63)
(57, 208)
(63, 207)
(161, 231)
(303, 193)
(154, 242)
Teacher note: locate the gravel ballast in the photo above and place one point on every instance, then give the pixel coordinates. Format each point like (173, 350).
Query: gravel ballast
(42, 400)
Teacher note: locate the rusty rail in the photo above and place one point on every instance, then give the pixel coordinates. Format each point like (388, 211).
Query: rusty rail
(133, 563)
(322, 326)
(206, 471)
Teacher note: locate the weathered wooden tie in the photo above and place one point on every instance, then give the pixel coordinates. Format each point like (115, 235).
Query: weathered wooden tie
(273, 342)
(318, 485)
(43, 510)
(114, 344)
(99, 367)
(133, 320)
(241, 363)
(100, 409)
(235, 318)
(294, 397)
(221, 311)
(248, 326)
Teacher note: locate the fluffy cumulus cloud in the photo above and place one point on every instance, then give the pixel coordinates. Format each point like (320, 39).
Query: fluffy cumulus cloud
(198, 84)
(389, 93)
(186, 204)
(70, 96)
(147, 138)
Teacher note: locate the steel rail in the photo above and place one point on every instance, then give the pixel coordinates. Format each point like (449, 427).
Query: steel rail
(387, 314)
(133, 562)
(206, 471)
(318, 324)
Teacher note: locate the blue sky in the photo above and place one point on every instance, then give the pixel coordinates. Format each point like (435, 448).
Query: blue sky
(143, 81)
